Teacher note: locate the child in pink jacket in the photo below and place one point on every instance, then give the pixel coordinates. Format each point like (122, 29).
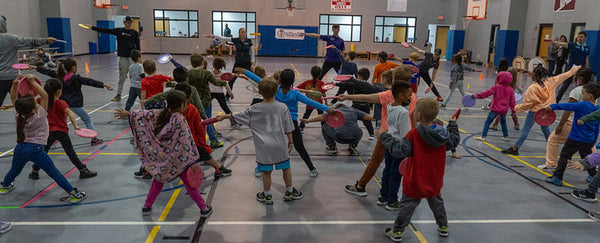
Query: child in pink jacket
(504, 99)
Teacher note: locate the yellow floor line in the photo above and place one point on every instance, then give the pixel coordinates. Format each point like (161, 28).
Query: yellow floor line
(164, 214)
(295, 69)
(541, 156)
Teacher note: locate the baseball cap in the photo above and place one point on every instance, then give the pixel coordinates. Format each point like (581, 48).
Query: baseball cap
(127, 18)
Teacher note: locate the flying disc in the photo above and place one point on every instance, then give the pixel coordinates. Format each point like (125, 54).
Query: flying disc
(405, 44)
(402, 166)
(194, 176)
(518, 97)
(315, 94)
(390, 56)
(20, 66)
(226, 77)
(342, 78)
(24, 87)
(164, 58)
(328, 86)
(414, 69)
(335, 120)
(61, 41)
(331, 97)
(329, 46)
(456, 114)
(544, 117)
(428, 90)
(83, 26)
(86, 133)
(209, 121)
(468, 101)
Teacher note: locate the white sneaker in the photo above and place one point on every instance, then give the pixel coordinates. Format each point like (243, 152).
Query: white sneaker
(544, 167)
(314, 172)
(371, 137)
(465, 108)
(479, 138)
(505, 139)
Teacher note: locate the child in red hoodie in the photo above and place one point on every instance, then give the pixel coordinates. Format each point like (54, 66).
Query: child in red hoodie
(425, 148)
(504, 99)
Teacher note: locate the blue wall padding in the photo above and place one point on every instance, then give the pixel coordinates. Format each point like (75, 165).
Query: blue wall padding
(507, 42)
(593, 41)
(454, 42)
(106, 42)
(271, 46)
(60, 28)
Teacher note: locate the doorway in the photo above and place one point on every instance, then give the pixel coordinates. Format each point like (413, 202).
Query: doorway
(441, 36)
(399, 34)
(545, 33)
(494, 32)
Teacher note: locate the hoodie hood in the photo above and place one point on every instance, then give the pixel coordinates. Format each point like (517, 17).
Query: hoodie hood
(2, 24)
(434, 135)
(504, 78)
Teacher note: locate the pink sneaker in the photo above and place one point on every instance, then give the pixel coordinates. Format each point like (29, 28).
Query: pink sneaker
(97, 141)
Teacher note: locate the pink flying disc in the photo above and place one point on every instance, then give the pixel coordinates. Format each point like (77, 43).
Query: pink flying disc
(164, 58)
(194, 176)
(335, 120)
(20, 66)
(456, 114)
(402, 166)
(209, 121)
(226, 77)
(86, 133)
(390, 56)
(328, 86)
(24, 87)
(329, 46)
(405, 44)
(331, 97)
(468, 101)
(544, 117)
(342, 78)
(428, 90)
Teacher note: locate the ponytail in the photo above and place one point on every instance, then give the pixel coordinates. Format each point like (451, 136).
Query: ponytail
(315, 71)
(51, 87)
(65, 67)
(175, 100)
(24, 107)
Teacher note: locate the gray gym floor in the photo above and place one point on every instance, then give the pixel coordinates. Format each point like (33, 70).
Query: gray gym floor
(489, 196)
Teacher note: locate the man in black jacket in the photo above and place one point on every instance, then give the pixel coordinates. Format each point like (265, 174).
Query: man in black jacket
(128, 40)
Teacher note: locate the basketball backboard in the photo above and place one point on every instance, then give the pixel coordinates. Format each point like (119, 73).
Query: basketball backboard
(102, 3)
(477, 9)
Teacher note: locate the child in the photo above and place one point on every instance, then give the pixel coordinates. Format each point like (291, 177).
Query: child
(154, 132)
(216, 92)
(310, 85)
(348, 66)
(425, 146)
(582, 136)
(67, 73)
(58, 110)
(136, 74)
(513, 115)
(291, 97)
(399, 125)
(386, 83)
(32, 136)
(271, 126)
(382, 66)
(200, 78)
(46, 58)
(538, 96)
(153, 83)
(504, 99)
(262, 73)
(457, 75)
(360, 86)
(348, 133)
(430, 60)
(412, 59)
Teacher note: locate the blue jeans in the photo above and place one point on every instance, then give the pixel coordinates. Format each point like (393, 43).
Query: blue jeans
(491, 116)
(134, 93)
(25, 152)
(391, 179)
(210, 129)
(84, 116)
(529, 121)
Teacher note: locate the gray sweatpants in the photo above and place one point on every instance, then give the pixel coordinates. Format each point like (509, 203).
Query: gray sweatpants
(459, 85)
(407, 208)
(124, 63)
(331, 137)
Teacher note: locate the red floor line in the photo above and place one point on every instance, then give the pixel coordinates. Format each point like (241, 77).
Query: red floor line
(40, 194)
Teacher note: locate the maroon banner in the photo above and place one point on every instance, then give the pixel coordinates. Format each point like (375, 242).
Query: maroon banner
(564, 5)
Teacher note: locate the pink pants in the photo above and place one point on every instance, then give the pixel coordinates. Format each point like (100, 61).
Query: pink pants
(157, 187)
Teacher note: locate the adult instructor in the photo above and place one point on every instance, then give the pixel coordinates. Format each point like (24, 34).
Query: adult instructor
(430, 60)
(128, 40)
(578, 55)
(244, 53)
(9, 46)
(332, 59)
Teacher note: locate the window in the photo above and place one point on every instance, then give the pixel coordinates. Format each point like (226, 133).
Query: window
(235, 21)
(349, 26)
(575, 29)
(176, 23)
(394, 29)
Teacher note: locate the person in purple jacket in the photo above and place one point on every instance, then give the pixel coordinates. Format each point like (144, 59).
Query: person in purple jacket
(332, 59)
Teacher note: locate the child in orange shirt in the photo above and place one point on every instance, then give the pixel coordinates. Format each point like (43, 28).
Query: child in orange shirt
(383, 66)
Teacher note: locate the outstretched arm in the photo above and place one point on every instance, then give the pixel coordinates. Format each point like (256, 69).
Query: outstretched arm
(318, 118)
(418, 50)
(313, 35)
(560, 43)
(71, 116)
(370, 98)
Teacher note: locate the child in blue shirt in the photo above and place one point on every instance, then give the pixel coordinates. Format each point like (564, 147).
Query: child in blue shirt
(582, 137)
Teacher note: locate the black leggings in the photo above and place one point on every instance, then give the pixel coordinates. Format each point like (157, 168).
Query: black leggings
(368, 124)
(427, 79)
(307, 115)
(4, 89)
(327, 66)
(299, 146)
(222, 102)
(65, 141)
(248, 67)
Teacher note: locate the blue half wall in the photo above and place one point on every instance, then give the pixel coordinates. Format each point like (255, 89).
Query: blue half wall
(507, 42)
(454, 42)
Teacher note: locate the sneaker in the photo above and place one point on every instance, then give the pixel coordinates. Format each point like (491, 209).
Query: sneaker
(392, 206)
(545, 167)
(554, 180)
(584, 195)
(218, 175)
(132, 141)
(439, 99)
(146, 211)
(331, 150)
(204, 213)
(116, 98)
(381, 201)
(257, 173)
(485, 107)
(5, 227)
(479, 138)
(77, 197)
(517, 127)
(443, 231)
(87, 173)
(314, 172)
(595, 216)
(494, 127)
(236, 126)
(261, 197)
(301, 127)
(371, 137)
(353, 189)
(395, 236)
(352, 151)
(7, 189)
(225, 171)
(140, 173)
(293, 195)
(218, 134)
(505, 139)
(589, 179)
(34, 175)
(216, 144)
(511, 150)
(147, 176)
(442, 107)
(465, 108)
(96, 141)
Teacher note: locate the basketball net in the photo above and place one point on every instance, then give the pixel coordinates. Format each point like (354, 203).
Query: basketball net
(290, 11)
(466, 21)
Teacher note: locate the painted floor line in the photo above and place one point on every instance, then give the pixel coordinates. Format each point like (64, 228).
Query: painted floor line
(108, 223)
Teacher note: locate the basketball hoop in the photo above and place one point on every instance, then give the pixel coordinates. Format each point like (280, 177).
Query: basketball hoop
(290, 11)
(106, 4)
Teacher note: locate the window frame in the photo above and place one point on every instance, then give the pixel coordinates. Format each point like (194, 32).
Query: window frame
(352, 25)
(190, 35)
(212, 26)
(382, 41)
